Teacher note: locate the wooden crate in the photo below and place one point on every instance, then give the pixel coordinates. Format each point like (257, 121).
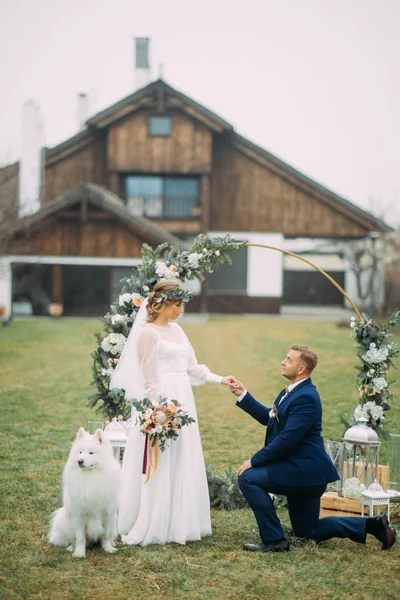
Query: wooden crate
(383, 474)
(333, 505)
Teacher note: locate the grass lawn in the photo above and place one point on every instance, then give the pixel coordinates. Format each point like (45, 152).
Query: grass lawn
(44, 385)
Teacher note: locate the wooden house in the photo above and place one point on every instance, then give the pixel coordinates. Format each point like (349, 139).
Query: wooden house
(158, 166)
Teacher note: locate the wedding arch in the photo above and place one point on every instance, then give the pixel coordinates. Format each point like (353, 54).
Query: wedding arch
(375, 347)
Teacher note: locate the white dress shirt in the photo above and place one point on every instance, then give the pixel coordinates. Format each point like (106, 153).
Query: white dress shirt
(289, 389)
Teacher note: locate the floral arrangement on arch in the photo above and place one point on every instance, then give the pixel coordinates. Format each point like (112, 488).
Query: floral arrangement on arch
(163, 262)
(376, 351)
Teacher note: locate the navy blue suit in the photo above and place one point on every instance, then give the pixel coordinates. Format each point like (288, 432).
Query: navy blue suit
(293, 463)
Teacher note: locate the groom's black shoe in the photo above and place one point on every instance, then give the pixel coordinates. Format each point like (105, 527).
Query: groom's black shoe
(379, 527)
(281, 546)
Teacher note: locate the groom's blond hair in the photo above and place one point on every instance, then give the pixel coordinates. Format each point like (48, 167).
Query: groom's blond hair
(307, 356)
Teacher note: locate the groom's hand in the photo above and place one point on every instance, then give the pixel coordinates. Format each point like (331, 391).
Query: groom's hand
(237, 388)
(246, 465)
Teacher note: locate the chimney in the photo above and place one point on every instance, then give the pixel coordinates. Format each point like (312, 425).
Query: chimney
(83, 110)
(142, 63)
(31, 163)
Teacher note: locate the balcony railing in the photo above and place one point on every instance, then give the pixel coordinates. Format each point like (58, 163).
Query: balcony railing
(159, 207)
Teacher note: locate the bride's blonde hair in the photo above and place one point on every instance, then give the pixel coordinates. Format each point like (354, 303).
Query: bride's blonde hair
(157, 301)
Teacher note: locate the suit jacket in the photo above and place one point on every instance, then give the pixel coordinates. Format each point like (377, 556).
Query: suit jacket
(294, 448)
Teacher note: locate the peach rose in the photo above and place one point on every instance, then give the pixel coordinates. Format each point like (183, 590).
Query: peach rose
(172, 408)
(173, 268)
(136, 301)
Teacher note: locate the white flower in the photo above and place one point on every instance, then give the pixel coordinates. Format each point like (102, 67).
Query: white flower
(371, 372)
(375, 355)
(107, 372)
(352, 488)
(372, 345)
(371, 409)
(358, 412)
(193, 260)
(118, 319)
(352, 324)
(146, 288)
(165, 272)
(158, 428)
(113, 343)
(377, 413)
(380, 384)
(125, 298)
(217, 253)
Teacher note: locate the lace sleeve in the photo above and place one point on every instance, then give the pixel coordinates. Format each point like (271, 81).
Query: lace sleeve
(147, 352)
(199, 374)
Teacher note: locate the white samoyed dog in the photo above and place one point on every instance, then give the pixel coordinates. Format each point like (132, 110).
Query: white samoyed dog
(91, 486)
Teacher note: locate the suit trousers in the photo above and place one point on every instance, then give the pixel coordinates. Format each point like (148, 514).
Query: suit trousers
(303, 505)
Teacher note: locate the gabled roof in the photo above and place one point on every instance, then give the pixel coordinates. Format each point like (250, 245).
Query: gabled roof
(146, 96)
(244, 144)
(159, 91)
(101, 198)
(156, 89)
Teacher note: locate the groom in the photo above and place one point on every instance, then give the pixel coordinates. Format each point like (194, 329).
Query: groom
(293, 463)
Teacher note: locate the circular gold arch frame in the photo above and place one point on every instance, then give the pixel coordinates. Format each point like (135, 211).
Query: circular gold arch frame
(354, 307)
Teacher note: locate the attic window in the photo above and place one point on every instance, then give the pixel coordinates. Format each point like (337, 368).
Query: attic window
(160, 126)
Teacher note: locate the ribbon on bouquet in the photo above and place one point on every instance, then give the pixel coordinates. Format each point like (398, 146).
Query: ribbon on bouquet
(150, 457)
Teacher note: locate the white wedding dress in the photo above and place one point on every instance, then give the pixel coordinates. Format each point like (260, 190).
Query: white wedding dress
(174, 505)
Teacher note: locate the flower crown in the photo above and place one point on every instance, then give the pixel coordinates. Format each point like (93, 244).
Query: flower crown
(178, 295)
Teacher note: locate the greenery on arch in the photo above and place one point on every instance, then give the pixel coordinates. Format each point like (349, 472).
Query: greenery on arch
(163, 262)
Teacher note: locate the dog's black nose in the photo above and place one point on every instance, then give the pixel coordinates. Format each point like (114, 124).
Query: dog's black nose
(80, 461)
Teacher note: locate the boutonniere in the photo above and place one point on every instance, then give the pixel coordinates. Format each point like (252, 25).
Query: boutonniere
(273, 413)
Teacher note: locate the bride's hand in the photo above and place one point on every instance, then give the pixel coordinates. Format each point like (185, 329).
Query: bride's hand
(229, 380)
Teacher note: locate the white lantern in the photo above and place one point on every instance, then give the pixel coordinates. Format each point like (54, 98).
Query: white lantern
(117, 433)
(375, 496)
(360, 454)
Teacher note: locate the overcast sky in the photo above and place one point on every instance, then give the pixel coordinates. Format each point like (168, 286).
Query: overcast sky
(315, 82)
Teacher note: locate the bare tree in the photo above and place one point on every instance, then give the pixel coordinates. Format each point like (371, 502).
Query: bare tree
(392, 273)
(367, 258)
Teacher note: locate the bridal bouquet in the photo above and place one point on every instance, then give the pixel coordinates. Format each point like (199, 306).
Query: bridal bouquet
(159, 423)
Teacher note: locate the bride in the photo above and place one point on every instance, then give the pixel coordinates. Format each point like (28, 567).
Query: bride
(157, 362)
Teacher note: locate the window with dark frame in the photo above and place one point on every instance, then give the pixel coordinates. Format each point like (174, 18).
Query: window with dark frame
(160, 126)
(157, 197)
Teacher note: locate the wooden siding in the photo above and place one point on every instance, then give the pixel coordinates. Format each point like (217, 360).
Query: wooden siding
(64, 173)
(9, 185)
(187, 227)
(131, 149)
(68, 237)
(249, 196)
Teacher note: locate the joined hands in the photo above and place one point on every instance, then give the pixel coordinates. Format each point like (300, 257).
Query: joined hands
(237, 388)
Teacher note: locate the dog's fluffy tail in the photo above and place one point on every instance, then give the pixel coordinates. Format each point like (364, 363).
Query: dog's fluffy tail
(58, 529)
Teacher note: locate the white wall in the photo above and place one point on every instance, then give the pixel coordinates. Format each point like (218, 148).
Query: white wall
(5, 285)
(264, 267)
